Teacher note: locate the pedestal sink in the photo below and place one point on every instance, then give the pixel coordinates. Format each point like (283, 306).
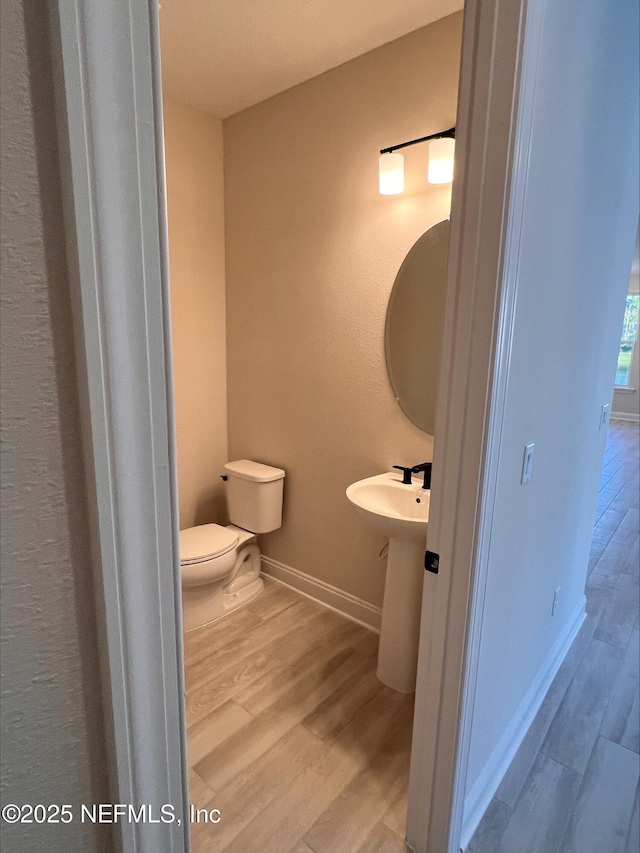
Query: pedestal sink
(400, 512)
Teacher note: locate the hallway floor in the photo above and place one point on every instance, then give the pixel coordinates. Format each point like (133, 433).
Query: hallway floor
(573, 785)
(291, 735)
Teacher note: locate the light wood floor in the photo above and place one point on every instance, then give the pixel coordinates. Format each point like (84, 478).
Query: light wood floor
(573, 785)
(291, 735)
(303, 750)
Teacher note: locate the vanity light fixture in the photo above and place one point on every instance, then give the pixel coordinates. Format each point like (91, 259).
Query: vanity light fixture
(439, 171)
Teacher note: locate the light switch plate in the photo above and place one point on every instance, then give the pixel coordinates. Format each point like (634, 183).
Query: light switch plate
(527, 463)
(604, 415)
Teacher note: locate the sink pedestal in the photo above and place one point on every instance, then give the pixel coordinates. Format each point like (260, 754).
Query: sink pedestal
(400, 628)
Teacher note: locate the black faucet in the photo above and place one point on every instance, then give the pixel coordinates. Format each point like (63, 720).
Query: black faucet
(426, 467)
(406, 474)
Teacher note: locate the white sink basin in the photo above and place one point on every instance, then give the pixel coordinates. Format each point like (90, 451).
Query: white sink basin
(391, 507)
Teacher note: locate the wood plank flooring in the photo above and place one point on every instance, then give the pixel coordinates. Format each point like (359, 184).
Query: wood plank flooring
(303, 750)
(291, 735)
(573, 785)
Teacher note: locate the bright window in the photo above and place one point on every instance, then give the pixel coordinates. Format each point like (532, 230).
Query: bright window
(629, 335)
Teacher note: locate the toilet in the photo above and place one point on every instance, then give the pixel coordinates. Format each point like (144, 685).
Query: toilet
(220, 566)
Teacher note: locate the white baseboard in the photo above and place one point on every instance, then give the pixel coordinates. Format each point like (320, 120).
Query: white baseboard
(625, 416)
(329, 596)
(479, 797)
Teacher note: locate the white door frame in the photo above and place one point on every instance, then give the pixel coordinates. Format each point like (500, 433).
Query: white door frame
(107, 76)
(496, 97)
(110, 130)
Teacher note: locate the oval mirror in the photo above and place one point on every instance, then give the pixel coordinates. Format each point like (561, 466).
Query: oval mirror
(413, 328)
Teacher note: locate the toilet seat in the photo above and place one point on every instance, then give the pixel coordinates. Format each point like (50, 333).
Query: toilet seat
(202, 543)
(220, 570)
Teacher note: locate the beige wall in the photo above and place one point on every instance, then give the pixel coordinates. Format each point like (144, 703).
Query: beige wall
(52, 733)
(195, 192)
(312, 251)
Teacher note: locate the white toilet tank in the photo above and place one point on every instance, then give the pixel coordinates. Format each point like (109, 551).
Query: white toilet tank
(254, 495)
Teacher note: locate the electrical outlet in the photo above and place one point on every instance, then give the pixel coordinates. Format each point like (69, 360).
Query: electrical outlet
(604, 415)
(556, 601)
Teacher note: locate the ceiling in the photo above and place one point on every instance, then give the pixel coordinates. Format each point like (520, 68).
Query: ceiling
(225, 55)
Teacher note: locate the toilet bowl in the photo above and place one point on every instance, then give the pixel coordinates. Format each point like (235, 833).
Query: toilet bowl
(220, 566)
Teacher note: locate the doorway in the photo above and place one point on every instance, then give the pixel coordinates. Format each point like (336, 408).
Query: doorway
(282, 258)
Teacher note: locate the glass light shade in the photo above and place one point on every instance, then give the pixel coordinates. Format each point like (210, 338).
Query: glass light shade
(440, 170)
(391, 174)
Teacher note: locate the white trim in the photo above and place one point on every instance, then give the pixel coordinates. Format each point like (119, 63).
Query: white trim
(529, 20)
(110, 131)
(479, 797)
(625, 416)
(624, 389)
(348, 605)
(492, 135)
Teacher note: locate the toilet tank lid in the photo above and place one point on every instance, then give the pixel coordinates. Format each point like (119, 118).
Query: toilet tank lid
(256, 471)
(205, 541)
